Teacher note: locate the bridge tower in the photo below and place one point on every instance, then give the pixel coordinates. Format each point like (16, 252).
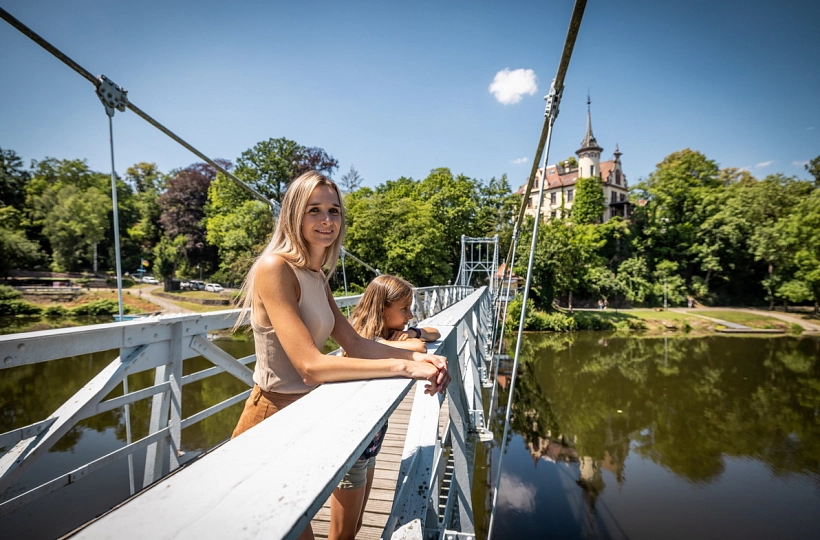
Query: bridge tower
(479, 255)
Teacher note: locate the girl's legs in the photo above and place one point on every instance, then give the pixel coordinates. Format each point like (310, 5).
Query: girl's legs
(347, 508)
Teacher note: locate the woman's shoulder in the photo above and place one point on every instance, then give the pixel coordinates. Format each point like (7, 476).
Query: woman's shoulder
(275, 266)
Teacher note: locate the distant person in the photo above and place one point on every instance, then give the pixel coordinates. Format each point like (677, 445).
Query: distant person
(600, 304)
(292, 312)
(690, 302)
(380, 315)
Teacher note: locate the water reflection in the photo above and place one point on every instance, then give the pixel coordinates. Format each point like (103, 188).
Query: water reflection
(622, 423)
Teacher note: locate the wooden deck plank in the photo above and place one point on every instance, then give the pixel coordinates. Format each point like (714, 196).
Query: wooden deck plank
(388, 462)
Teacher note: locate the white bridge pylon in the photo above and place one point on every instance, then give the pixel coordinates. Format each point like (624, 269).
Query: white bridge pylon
(479, 255)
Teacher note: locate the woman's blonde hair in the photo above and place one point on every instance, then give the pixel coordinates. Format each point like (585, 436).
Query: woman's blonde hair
(287, 240)
(385, 290)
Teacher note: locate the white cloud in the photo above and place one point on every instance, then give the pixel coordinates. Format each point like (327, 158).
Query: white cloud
(520, 160)
(800, 163)
(810, 128)
(508, 86)
(763, 164)
(514, 494)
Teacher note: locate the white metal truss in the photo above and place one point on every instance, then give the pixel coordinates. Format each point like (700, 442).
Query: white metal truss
(479, 255)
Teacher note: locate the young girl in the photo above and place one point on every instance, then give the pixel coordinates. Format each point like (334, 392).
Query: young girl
(380, 315)
(292, 312)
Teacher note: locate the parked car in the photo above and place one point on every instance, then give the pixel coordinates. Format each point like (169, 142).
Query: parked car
(150, 280)
(197, 285)
(213, 287)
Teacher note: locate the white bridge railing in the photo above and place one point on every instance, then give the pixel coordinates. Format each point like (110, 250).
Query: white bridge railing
(300, 454)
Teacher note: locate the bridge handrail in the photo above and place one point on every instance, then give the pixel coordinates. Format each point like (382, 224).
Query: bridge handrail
(272, 480)
(159, 343)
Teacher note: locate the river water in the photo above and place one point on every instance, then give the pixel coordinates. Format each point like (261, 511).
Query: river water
(612, 437)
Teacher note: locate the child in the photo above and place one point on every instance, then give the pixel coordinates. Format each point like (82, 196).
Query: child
(380, 315)
(293, 312)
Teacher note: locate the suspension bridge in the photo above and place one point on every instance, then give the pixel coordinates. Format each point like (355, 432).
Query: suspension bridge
(275, 479)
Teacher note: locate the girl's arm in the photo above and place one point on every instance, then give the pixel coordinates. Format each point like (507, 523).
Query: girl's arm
(354, 344)
(278, 292)
(423, 333)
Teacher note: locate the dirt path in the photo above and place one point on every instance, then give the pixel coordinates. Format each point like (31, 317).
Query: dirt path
(166, 305)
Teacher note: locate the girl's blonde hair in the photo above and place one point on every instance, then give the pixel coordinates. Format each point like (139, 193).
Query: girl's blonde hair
(287, 240)
(383, 291)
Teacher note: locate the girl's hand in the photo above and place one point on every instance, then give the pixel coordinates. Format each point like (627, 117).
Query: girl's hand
(397, 335)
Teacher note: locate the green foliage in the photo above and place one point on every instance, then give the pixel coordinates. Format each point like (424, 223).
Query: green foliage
(588, 206)
(593, 321)
(9, 293)
(103, 306)
(270, 165)
(11, 303)
(55, 310)
(795, 329)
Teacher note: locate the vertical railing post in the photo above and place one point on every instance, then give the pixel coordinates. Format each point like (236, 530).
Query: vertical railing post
(175, 378)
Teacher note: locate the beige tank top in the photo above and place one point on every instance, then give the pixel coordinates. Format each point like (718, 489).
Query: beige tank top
(274, 372)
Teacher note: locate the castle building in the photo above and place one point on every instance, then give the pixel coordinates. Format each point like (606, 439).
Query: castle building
(559, 181)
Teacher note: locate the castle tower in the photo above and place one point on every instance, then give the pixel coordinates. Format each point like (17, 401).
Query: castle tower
(589, 155)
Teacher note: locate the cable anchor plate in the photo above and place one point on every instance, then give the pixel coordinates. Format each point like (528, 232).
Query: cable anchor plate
(111, 95)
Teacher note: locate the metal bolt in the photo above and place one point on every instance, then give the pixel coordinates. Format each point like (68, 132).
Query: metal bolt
(7, 360)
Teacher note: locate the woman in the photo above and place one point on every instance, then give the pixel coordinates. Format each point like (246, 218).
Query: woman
(292, 312)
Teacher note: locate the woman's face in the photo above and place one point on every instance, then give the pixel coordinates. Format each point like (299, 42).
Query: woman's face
(323, 217)
(397, 314)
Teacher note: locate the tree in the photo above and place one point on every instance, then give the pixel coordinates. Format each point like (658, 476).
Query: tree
(148, 182)
(270, 165)
(183, 210)
(802, 228)
(813, 167)
(75, 225)
(588, 206)
(396, 234)
(13, 179)
(237, 225)
(18, 251)
(350, 181)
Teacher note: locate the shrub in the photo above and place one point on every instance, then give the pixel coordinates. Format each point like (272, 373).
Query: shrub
(9, 293)
(18, 307)
(795, 329)
(636, 324)
(55, 310)
(557, 322)
(97, 307)
(514, 314)
(593, 321)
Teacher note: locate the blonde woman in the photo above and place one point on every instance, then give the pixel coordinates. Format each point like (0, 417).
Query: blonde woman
(292, 312)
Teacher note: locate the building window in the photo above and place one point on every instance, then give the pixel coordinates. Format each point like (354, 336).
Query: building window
(552, 214)
(569, 195)
(617, 177)
(553, 197)
(529, 202)
(623, 197)
(614, 197)
(592, 170)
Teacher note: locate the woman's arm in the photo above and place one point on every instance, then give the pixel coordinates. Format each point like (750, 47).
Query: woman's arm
(278, 293)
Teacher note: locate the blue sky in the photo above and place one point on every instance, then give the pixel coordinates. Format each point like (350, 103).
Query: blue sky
(400, 88)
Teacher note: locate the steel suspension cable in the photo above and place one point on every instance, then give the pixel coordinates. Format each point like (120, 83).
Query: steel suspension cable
(551, 113)
(97, 81)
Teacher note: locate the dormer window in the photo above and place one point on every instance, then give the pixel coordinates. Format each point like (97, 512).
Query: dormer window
(617, 177)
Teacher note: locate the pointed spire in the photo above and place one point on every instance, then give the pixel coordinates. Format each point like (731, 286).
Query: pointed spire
(589, 141)
(617, 153)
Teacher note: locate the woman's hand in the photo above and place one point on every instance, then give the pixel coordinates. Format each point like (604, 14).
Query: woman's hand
(441, 380)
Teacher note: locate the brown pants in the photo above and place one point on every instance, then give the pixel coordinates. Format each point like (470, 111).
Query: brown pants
(261, 405)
